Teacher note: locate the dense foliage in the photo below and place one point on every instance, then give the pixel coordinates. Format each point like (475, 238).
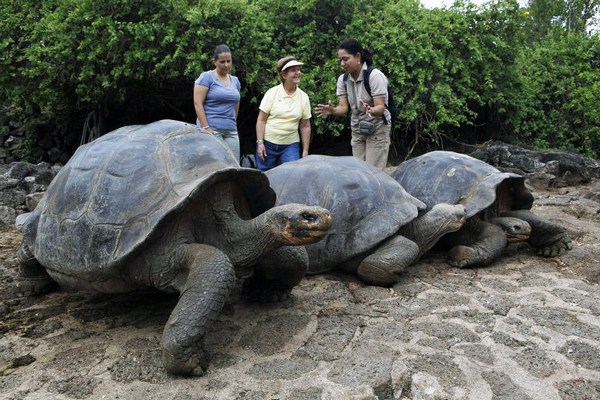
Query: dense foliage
(466, 73)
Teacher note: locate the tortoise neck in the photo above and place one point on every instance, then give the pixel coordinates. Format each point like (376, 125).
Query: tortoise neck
(243, 238)
(252, 239)
(427, 229)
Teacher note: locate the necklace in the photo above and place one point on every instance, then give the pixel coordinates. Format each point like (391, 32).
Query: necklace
(225, 80)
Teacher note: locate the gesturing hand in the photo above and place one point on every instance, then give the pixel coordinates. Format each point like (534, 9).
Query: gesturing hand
(324, 109)
(367, 107)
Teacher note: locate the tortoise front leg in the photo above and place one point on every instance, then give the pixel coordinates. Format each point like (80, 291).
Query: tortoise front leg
(476, 245)
(276, 274)
(205, 281)
(548, 238)
(33, 279)
(384, 265)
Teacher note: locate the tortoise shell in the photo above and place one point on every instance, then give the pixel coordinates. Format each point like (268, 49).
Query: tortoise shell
(367, 206)
(114, 193)
(454, 178)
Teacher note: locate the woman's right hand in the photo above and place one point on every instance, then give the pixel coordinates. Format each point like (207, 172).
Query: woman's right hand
(324, 109)
(261, 123)
(261, 151)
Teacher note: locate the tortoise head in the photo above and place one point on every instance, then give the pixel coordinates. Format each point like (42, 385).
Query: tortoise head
(299, 224)
(517, 230)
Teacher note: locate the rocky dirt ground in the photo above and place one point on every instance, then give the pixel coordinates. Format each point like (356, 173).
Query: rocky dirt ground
(524, 328)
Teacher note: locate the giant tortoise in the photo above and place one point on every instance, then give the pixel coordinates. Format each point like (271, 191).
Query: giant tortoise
(377, 229)
(166, 206)
(498, 206)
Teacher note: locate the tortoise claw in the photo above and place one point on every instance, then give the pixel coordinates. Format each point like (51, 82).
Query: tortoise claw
(462, 256)
(556, 248)
(26, 287)
(195, 364)
(261, 295)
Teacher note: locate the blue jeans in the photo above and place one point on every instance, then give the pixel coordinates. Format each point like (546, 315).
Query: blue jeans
(231, 139)
(278, 154)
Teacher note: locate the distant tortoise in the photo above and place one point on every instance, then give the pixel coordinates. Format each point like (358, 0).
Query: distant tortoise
(165, 206)
(498, 207)
(377, 231)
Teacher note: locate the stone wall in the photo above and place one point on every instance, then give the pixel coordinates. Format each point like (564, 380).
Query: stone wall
(50, 144)
(542, 168)
(22, 185)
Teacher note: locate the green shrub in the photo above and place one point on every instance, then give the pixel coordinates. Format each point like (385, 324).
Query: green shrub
(455, 72)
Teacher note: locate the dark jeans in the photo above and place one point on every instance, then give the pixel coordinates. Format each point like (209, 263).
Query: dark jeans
(278, 154)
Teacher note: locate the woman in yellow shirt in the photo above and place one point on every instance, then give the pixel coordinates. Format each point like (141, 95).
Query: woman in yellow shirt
(284, 110)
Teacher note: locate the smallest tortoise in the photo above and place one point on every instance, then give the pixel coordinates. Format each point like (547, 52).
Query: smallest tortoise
(497, 203)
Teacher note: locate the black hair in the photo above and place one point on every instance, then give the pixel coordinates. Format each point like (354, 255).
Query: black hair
(221, 49)
(353, 47)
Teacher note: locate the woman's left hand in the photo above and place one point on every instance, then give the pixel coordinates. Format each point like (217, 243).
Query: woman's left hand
(367, 107)
(324, 109)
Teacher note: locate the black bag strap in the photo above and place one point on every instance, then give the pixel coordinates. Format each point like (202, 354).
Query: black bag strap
(366, 77)
(367, 85)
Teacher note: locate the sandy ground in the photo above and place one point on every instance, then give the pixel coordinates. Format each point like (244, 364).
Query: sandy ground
(524, 328)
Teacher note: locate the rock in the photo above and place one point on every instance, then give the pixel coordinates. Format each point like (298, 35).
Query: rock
(32, 200)
(12, 196)
(541, 168)
(425, 386)
(7, 216)
(4, 154)
(22, 185)
(19, 170)
(401, 379)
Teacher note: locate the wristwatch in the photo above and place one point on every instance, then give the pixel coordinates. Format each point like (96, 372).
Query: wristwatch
(259, 141)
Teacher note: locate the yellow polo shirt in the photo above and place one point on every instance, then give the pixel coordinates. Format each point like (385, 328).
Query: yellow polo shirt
(285, 113)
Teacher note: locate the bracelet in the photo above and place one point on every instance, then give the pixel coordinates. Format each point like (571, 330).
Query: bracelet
(259, 141)
(205, 127)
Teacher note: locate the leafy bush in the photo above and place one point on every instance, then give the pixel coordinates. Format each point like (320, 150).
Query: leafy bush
(560, 107)
(466, 73)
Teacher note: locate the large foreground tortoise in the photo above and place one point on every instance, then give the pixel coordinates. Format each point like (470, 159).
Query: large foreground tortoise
(166, 206)
(498, 206)
(377, 228)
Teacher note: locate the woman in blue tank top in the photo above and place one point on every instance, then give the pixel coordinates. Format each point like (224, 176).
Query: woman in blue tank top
(217, 100)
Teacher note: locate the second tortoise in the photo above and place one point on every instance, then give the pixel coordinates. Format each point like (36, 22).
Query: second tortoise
(378, 229)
